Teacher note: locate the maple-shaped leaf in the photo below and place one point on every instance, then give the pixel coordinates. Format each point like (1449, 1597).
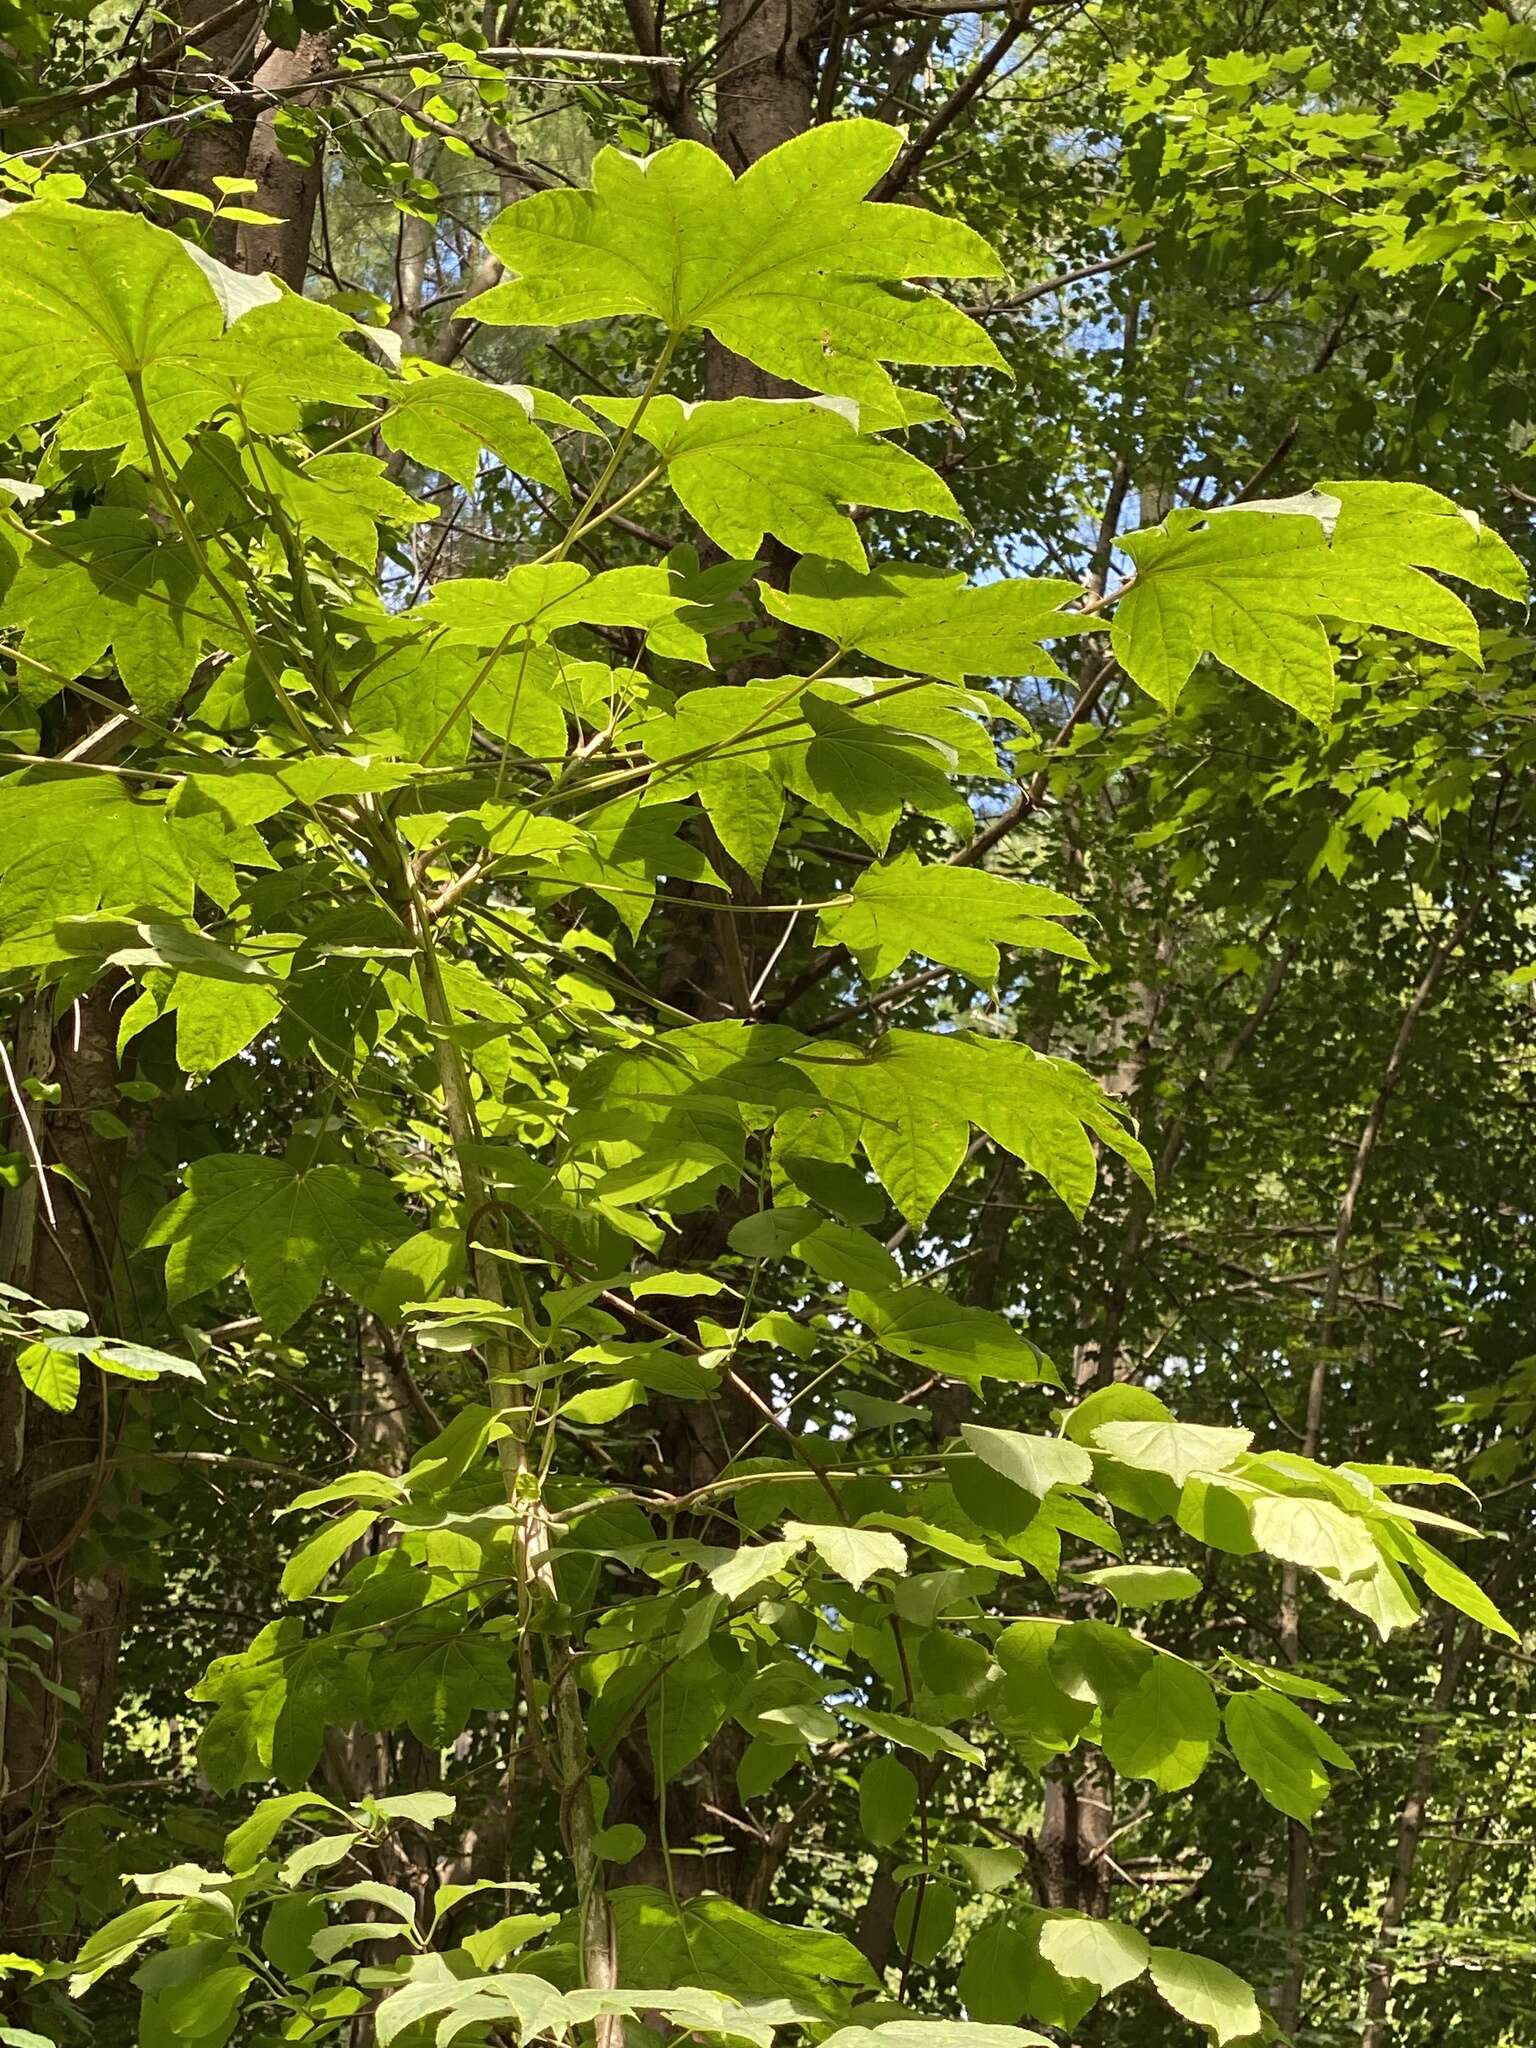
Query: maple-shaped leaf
(273, 1703)
(720, 742)
(1386, 535)
(540, 598)
(444, 420)
(682, 1111)
(111, 579)
(288, 1227)
(429, 693)
(273, 361)
(434, 1684)
(214, 1019)
(627, 853)
(1252, 586)
(754, 466)
(788, 265)
(859, 751)
(478, 651)
(510, 2000)
(1247, 586)
(862, 769)
(917, 1096)
(956, 916)
(220, 999)
(92, 296)
(248, 792)
(72, 844)
(929, 621)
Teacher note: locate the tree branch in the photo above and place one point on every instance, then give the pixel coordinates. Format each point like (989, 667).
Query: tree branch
(901, 173)
(1102, 267)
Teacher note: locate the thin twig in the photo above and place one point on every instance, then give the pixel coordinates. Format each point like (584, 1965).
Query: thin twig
(909, 162)
(1030, 293)
(28, 1136)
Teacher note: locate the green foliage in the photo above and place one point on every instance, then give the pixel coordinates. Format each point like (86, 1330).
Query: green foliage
(751, 467)
(286, 1227)
(397, 867)
(1252, 587)
(51, 1344)
(948, 915)
(788, 266)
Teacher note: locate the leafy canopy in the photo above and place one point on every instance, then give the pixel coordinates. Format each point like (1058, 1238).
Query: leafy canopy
(403, 861)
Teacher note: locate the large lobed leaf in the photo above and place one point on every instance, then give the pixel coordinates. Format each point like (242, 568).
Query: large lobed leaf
(747, 467)
(287, 1226)
(788, 265)
(1253, 586)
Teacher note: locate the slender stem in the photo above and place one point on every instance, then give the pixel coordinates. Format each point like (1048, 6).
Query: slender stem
(157, 454)
(1299, 1842)
(572, 1751)
(590, 525)
(616, 456)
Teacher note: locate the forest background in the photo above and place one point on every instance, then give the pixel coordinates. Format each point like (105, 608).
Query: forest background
(1244, 250)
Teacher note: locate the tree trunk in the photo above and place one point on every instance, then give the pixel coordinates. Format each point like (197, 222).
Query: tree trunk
(245, 145)
(210, 149)
(1071, 1856)
(73, 1233)
(766, 79)
(284, 186)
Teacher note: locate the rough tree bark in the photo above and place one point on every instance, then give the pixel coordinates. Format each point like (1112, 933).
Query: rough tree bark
(65, 1242)
(252, 78)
